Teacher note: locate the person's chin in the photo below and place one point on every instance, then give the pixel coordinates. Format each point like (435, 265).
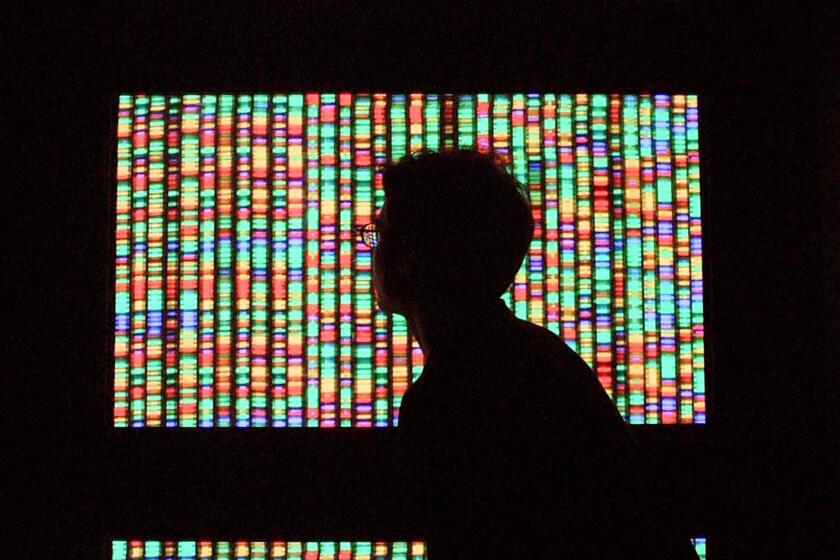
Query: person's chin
(385, 304)
(381, 302)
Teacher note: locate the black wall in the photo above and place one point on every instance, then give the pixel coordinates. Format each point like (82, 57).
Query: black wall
(752, 480)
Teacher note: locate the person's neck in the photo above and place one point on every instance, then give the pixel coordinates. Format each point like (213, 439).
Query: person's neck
(443, 326)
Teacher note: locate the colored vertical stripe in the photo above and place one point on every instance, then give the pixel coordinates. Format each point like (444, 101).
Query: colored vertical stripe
(346, 275)
(328, 269)
(386, 134)
(224, 356)
(122, 276)
(155, 263)
(519, 171)
(207, 261)
(295, 259)
(139, 227)
(279, 282)
(618, 287)
(243, 278)
(362, 297)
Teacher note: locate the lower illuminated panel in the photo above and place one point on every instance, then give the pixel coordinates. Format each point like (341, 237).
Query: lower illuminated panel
(700, 547)
(264, 550)
(283, 550)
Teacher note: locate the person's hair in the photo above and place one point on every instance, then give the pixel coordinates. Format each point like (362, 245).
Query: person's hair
(466, 217)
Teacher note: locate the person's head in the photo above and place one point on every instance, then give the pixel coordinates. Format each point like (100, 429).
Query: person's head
(454, 229)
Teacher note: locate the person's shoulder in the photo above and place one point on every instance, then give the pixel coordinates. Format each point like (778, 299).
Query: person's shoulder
(568, 392)
(565, 376)
(547, 352)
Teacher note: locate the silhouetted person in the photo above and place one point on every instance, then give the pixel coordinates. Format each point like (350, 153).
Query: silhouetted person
(512, 448)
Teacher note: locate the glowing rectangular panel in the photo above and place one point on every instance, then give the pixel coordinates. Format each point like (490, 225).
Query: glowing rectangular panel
(266, 550)
(243, 297)
(283, 550)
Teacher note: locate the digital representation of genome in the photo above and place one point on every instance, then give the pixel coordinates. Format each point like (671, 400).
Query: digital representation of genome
(243, 295)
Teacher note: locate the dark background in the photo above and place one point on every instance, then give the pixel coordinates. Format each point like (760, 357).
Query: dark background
(755, 480)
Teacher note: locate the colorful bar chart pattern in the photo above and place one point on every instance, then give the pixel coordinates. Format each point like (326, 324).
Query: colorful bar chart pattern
(244, 297)
(263, 550)
(282, 550)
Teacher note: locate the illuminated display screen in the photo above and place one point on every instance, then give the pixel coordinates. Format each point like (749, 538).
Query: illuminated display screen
(276, 550)
(282, 550)
(244, 297)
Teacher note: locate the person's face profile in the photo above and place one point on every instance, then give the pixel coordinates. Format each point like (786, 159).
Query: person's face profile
(379, 263)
